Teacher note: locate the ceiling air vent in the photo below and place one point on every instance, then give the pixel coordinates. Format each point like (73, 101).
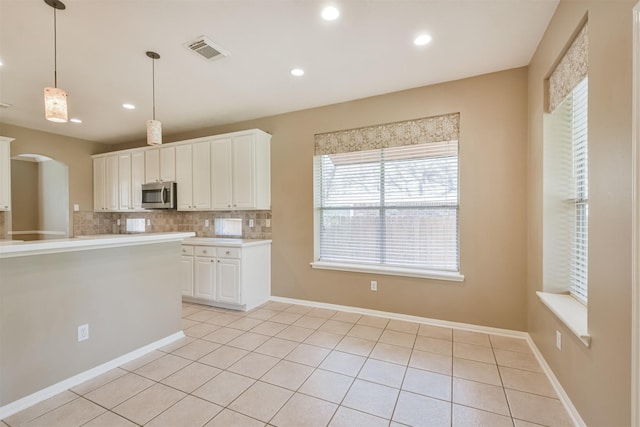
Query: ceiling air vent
(206, 48)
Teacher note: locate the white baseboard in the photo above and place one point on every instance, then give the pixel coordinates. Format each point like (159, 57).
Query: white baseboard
(30, 400)
(407, 317)
(562, 395)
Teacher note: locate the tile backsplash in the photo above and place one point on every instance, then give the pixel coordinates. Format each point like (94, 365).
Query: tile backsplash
(89, 222)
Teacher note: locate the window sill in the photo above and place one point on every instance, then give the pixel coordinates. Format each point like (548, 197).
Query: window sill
(570, 312)
(390, 271)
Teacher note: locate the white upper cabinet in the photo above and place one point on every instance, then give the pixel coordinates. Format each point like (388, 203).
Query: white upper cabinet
(99, 185)
(241, 171)
(124, 182)
(106, 183)
(221, 195)
(223, 172)
(5, 174)
(112, 183)
(130, 179)
(160, 164)
(193, 175)
(137, 178)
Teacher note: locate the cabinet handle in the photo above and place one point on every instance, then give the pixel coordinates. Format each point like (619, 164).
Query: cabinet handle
(228, 252)
(204, 252)
(218, 261)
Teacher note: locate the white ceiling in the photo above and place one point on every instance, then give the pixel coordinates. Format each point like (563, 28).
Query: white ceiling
(367, 51)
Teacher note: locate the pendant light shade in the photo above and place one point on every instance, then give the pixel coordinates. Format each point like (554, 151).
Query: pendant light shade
(55, 104)
(154, 127)
(154, 132)
(55, 99)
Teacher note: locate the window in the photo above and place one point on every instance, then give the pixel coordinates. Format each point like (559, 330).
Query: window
(565, 192)
(580, 240)
(566, 188)
(391, 207)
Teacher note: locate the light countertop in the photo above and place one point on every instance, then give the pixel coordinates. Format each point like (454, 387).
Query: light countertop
(38, 247)
(225, 242)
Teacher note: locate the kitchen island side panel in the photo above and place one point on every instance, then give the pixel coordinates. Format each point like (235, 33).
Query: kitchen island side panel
(129, 296)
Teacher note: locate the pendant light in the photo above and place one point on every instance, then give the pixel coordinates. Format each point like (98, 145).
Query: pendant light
(154, 127)
(55, 99)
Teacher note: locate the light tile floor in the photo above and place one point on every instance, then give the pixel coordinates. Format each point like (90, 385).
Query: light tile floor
(291, 365)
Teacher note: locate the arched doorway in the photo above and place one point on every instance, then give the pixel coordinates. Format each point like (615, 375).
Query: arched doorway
(39, 198)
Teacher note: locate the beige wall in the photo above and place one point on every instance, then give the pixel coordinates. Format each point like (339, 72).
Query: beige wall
(24, 196)
(596, 379)
(493, 137)
(74, 153)
(53, 195)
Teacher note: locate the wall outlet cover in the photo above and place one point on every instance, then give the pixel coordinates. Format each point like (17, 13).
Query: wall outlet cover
(83, 332)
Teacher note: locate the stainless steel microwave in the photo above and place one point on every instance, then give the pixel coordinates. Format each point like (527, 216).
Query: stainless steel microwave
(159, 195)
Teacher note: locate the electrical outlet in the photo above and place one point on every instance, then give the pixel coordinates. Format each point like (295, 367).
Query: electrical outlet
(206, 222)
(117, 222)
(83, 332)
(268, 223)
(76, 208)
(251, 223)
(374, 285)
(559, 340)
(148, 222)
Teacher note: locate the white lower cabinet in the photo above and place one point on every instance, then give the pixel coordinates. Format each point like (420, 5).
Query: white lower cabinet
(228, 281)
(236, 277)
(186, 266)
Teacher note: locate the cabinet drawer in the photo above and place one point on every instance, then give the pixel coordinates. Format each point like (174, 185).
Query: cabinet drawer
(205, 251)
(187, 250)
(228, 252)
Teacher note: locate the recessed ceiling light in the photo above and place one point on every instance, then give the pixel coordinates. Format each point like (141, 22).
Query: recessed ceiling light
(74, 120)
(1, 64)
(129, 106)
(330, 13)
(297, 72)
(423, 39)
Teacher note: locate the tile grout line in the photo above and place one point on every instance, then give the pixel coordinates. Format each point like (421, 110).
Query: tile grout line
(298, 344)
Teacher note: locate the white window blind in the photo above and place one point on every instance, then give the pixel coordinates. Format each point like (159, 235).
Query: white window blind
(578, 285)
(566, 196)
(390, 207)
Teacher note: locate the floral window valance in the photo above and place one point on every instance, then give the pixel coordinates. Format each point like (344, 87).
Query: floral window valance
(410, 132)
(571, 70)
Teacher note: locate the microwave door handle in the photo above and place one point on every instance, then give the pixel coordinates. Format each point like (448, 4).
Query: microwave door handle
(162, 195)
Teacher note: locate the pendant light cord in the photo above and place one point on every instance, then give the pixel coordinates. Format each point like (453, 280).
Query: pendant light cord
(55, 50)
(153, 83)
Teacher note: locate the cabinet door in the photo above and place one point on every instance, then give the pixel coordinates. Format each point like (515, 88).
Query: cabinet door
(152, 165)
(168, 164)
(228, 281)
(201, 162)
(221, 174)
(99, 185)
(205, 272)
(186, 265)
(184, 177)
(124, 182)
(5, 176)
(137, 178)
(111, 179)
(244, 189)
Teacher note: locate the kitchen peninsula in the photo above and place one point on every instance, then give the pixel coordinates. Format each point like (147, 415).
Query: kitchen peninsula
(110, 283)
